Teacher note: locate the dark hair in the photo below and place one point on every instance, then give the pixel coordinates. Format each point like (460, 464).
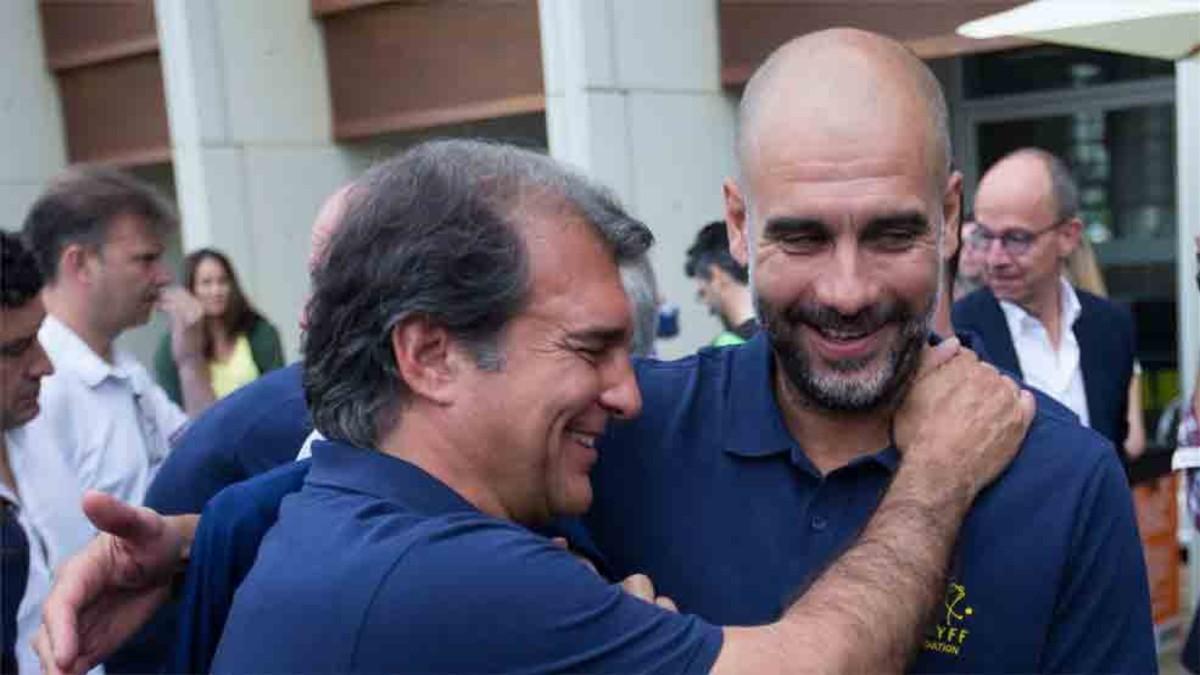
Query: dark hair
(20, 279)
(433, 232)
(80, 205)
(712, 248)
(240, 316)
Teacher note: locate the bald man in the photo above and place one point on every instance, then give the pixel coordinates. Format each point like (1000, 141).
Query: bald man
(751, 469)
(1075, 346)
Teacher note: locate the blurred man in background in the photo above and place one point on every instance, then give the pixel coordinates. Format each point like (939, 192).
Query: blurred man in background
(721, 284)
(98, 236)
(1073, 345)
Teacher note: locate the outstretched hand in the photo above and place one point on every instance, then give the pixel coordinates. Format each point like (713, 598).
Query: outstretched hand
(107, 591)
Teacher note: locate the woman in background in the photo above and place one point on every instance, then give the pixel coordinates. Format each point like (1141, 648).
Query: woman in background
(239, 343)
(1083, 271)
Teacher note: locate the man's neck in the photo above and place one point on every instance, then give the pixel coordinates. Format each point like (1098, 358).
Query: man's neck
(1046, 307)
(72, 312)
(6, 474)
(830, 439)
(420, 440)
(738, 308)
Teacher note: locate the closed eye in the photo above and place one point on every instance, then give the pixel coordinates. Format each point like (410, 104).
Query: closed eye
(797, 235)
(17, 348)
(896, 233)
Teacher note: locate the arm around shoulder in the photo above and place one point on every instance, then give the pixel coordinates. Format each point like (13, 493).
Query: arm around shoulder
(557, 614)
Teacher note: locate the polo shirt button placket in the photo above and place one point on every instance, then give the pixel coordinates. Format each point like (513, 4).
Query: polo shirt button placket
(819, 523)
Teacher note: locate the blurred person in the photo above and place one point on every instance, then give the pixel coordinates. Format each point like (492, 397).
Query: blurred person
(256, 428)
(1073, 345)
(1083, 272)
(239, 343)
(721, 284)
(970, 262)
(1196, 389)
(24, 567)
(98, 235)
(960, 456)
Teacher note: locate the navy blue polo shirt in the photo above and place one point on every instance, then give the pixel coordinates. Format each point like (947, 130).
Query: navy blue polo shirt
(227, 540)
(254, 429)
(376, 566)
(709, 494)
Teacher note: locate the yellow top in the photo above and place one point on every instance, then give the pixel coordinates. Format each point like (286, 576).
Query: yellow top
(237, 370)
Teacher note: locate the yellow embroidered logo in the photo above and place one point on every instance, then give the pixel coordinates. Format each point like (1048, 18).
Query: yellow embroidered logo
(948, 635)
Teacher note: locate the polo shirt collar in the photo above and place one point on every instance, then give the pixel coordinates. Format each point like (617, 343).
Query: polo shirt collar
(68, 351)
(753, 421)
(391, 479)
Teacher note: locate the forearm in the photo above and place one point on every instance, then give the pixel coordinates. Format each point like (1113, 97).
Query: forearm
(196, 387)
(867, 612)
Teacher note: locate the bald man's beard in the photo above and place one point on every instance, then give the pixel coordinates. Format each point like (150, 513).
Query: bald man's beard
(848, 385)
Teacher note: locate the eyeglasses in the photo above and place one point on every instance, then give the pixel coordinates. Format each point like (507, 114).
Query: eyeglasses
(1014, 242)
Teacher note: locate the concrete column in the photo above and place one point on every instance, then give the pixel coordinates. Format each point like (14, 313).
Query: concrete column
(31, 128)
(633, 97)
(1187, 158)
(1187, 153)
(248, 105)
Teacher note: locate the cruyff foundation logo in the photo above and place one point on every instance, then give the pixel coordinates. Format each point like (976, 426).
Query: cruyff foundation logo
(948, 635)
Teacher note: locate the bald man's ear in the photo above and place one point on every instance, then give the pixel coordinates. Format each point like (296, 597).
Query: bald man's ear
(735, 222)
(1068, 236)
(426, 359)
(952, 211)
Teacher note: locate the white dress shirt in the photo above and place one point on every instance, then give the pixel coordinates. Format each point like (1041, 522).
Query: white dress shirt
(306, 448)
(102, 426)
(37, 587)
(1057, 372)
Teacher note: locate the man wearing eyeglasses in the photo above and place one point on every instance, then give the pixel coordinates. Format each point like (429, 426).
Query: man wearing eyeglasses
(1073, 345)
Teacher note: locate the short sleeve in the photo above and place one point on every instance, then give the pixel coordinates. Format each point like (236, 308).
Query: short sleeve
(478, 595)
(1102, 617)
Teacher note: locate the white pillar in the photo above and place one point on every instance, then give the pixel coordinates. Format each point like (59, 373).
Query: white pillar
(32, 148)
(248, 105)
(633, 97)
(1187, 152)
(1187, 159)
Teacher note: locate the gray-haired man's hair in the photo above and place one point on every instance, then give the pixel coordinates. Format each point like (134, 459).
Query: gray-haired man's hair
(637, 276)
(434, 233)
